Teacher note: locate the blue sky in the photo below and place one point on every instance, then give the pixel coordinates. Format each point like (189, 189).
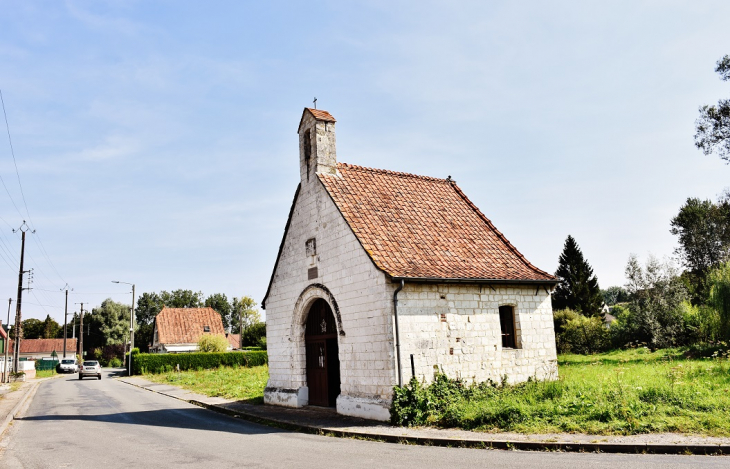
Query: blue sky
(156, 141)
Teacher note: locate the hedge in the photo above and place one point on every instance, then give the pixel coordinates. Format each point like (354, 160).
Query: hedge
(162, 362)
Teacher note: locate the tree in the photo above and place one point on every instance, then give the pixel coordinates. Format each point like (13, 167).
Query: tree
(51, 329)
(182, 299)
(32, 329)
(148, 305)
(212, 343)
(111, 321)
(244, 309)
(578, 287)
(656, 307)
(719, 280)
(703, 228)
(219, 302)
(614, 295)
(713, 125)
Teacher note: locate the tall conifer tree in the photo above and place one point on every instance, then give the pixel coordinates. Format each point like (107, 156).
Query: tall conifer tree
(578, 288)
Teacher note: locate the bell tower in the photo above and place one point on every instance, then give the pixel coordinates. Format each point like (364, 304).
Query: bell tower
(317, 145)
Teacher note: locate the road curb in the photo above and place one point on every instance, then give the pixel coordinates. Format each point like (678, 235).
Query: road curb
(573, 447)
(23, 400)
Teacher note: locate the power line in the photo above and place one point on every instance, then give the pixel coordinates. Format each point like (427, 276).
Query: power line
(12, 152)
(22, 193)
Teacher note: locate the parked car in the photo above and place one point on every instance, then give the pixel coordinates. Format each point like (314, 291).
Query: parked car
(90, 368)
(67, 365)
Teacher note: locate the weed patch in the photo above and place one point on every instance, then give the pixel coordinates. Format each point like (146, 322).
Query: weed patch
(615, 393)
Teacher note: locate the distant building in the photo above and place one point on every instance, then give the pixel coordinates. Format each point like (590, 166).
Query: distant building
(38, 349)
(234, 340)
(179, 329)
(383, 275)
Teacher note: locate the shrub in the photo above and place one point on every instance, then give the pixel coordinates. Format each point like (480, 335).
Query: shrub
(719, 282)
(212, 343)
(262, 343)
(560, 320)
(253, 333)
(701, 323)
(160, 362)
(115, 362)
(579, 334)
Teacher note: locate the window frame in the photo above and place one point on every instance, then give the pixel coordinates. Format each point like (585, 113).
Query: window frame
(509, 341)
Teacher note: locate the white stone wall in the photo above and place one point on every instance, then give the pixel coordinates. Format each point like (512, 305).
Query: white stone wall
(466, 341)
(361, 293)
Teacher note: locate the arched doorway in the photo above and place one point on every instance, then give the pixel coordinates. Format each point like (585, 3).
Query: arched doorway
(323, 362)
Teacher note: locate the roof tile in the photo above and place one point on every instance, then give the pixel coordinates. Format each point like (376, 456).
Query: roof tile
(186, 325)
(424, 227)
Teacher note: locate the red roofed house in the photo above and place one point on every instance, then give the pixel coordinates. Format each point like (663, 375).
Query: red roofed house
(37, 349)
(383, 275)
(179, 329)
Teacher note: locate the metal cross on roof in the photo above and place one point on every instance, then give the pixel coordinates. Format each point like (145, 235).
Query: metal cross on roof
(315, 102)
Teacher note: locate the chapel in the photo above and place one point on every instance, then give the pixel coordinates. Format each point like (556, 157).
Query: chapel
(382, 276)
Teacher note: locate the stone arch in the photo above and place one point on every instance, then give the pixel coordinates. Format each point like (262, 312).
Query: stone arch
(304, 303)
(301, 308)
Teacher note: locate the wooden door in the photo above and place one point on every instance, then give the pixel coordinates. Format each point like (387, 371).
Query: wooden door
(323, 367)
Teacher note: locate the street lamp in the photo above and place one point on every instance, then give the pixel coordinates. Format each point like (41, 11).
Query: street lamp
(131, 326)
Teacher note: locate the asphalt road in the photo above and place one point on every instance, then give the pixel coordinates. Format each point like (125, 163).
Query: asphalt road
(108, 424)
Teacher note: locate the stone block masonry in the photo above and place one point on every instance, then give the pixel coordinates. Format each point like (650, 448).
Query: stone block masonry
(455, 330)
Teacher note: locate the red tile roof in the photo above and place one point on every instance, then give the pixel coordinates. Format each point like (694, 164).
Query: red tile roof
(186, 325)
(45, 346)
(421, 227)
(234, 340)
(318, 114)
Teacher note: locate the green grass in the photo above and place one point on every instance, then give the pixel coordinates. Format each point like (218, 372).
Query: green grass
(241, 383)
(45, 373)
(615, 393)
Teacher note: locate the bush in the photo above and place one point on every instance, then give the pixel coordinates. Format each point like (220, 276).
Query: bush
(575, 333)
(586, 335)
(719, 283)
(115, 362)
(161, 362)
(701, 323)
(262, 343)
(560, 320)
(253, 333)
(212, 343)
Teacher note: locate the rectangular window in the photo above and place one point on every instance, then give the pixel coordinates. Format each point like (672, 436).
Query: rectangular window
(206, 328)
(507, 324)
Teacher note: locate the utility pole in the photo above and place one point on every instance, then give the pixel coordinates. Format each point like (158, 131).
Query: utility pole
(131, 326)
(18, 315)
(6, 376)
(65, 322)
(81, 331)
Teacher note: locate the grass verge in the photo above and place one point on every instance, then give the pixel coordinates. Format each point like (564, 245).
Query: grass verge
(240, 383)
(45, 373)
(615, 393)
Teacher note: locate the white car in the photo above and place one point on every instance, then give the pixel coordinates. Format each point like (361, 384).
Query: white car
(90, 368)
(68, 365)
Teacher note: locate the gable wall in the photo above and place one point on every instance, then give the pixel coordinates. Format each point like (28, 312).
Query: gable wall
(472, 329)
(366, 351)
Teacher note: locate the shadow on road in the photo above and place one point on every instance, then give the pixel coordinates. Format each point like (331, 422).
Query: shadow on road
(194, 419)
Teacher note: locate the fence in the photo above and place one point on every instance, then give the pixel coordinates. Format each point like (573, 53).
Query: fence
(43, 365)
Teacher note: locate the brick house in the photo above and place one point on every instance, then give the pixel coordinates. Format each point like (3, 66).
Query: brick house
(383, 275)
(179, 329)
